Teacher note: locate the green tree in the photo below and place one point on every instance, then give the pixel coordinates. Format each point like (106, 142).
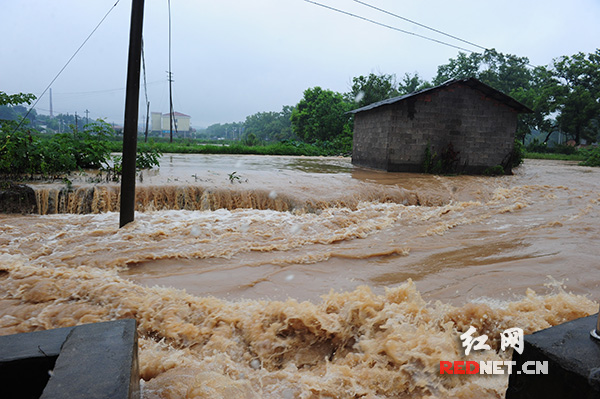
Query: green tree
(321, 116)
(411, 83)
(462, 67)
(577, 95)
(229, 131)
(513, 76)
(270, 126)
(504, 72)
(370, 89)
(16, 99)
(17, 148)
(537, 96)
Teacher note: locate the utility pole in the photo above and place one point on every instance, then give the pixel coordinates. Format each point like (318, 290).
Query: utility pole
(171, 111)
(51, 113)
(132, 97)
(87, 120)
(76, 122)
(147, 121)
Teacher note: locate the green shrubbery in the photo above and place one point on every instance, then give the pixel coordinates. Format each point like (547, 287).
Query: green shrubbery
(592, 157)
(517, 155)
(340, 146)
(542, 148)
(26, 152)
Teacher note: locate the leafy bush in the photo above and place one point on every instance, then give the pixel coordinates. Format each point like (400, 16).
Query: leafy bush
(250, 140)
(91, 149)
(537, 146)
(592, 157)
(542, 148)
(494, 171)
(564, 149)
(27, 152)
(517, 155)
(448, 162)
(147, 157)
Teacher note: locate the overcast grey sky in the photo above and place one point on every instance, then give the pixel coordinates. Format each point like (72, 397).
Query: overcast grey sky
(233, 58)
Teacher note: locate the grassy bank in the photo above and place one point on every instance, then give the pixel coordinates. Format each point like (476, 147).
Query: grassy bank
(279, 148)
(557, 157)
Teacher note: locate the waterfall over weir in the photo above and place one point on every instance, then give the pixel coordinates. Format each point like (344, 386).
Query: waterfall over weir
(106, 198)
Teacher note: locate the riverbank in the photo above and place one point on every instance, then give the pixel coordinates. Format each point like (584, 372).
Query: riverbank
(236, 147)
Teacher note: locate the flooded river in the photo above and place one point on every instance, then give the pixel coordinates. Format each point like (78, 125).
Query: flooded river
(295, 277)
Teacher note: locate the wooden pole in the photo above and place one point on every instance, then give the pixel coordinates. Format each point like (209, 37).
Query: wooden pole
(130, 128)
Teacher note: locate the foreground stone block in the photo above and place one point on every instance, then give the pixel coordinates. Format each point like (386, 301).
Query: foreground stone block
(90, 361)
(574, 363)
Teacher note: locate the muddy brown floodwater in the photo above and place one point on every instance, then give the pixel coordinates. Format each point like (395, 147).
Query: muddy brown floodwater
(295, 277)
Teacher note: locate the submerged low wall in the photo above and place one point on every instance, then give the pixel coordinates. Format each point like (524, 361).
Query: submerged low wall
(17, 198)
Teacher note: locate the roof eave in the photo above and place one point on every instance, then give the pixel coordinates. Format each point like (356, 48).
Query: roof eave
(471, 82)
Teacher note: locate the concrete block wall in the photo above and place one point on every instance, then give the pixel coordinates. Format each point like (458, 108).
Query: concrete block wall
(371, 150)
(481, 129)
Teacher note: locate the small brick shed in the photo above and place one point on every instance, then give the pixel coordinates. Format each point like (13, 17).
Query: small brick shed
(466, 118)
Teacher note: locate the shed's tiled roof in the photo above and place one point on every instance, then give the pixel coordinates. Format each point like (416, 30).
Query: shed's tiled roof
(470, 82)
(177, 114)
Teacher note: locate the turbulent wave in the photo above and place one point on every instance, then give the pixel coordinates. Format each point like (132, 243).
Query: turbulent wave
(352, 344)
(215, 277)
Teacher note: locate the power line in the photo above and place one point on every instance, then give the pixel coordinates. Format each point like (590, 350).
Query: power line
(67, 64)
(419, 24)
(83, 93)
(430, 28)
(388, 26)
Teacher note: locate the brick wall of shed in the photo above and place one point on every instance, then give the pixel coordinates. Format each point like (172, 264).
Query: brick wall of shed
(480, 128)
(370, 141)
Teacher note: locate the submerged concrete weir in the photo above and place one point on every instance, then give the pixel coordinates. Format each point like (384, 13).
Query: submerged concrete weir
(89, 199)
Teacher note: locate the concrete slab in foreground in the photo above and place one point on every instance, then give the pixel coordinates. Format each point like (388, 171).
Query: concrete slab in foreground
(573, 358)
(96, 361)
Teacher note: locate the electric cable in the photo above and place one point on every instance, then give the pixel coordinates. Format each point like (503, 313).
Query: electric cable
(388, 26)
(405, 31)
(419, 24)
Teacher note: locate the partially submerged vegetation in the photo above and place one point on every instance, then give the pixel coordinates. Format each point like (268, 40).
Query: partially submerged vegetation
(288, 147)
(26, 153)
(588, 156)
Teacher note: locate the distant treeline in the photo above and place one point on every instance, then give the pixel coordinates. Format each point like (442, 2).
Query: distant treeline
(565, 98)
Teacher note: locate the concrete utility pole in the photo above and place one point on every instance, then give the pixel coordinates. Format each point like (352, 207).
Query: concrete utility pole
(87, 119)
(171, 111)
(130, 127)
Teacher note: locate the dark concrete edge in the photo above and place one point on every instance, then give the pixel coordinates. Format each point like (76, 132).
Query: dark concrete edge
(33, 344)
(97, 355)
(50, 349)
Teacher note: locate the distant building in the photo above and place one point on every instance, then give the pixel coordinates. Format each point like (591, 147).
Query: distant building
(161, 123)
(156, 121)
(465, 118)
